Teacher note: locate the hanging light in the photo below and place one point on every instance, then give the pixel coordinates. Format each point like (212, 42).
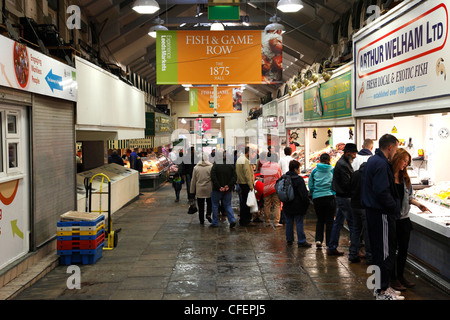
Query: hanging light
(289, 5)
(145, 6)
(275, 25)
(158, 27)
(217, 26)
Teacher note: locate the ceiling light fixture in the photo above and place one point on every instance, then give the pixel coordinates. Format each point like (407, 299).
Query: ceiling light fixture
(289, 5)
(145, 6)
(275, 25)
(217, 26)
(158, 27)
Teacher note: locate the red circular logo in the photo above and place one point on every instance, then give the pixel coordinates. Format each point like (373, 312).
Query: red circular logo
(21, 64)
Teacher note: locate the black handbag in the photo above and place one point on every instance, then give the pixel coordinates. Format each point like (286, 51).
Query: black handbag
(192, 209)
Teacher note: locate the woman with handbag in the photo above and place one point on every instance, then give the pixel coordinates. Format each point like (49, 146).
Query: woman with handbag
(201, 186)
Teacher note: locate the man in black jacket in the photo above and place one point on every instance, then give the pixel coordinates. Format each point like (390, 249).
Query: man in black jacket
(223, 178)
(187, 167)
(379, 197)
(342, 178)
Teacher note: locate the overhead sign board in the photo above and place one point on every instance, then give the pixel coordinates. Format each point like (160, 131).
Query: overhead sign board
(229, 100)
(402, 57)
(26, 69)
(219, 57)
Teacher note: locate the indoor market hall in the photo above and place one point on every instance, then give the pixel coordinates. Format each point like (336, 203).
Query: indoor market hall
(225, 158)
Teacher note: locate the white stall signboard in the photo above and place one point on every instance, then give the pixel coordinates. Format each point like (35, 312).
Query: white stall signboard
(29, 70)
(403, 56)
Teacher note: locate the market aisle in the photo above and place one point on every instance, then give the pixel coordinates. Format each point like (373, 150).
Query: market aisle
(164, 253)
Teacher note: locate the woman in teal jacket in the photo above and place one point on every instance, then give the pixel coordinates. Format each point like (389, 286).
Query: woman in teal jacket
(323, 196)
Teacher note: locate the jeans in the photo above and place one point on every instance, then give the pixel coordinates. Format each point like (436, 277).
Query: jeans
(268, 200)
(245, 215)
(343, 212)
(325, 208)
(360, 226)
(225, 197)
(201, 208)
(177, 194)
(301, 237)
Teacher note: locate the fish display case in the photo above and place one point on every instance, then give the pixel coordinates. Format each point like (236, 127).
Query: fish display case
(430, 237)
(155, 172)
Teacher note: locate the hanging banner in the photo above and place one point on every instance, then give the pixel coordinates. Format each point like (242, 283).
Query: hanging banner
(403, 57)
(331, 100)
(229, 100)
(219, 57)
(29, 70)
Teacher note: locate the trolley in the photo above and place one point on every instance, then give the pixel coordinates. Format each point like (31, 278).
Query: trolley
(111, 236)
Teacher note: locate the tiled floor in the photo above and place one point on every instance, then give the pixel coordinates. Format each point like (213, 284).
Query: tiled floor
(165, 254)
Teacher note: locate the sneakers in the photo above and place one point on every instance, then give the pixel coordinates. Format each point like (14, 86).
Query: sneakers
(388, 294)
(232, 225)
(318, 244)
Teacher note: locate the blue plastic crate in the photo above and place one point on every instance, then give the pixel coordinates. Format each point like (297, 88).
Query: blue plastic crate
(79, 237)
(81, 223)
(69, 257)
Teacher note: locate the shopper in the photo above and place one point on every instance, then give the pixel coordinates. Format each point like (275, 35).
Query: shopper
(201, 187)
(223, 178)
(359, 216)
(295, 210)
(187, 167)
(173, 156)
(319, 183)
(400, 162)
(380, 198)
(177, 183)
(246, 181)
(135, 161)
(342, 176)
(284, 162)
(115, 158)
(271, 172)
(363, 155)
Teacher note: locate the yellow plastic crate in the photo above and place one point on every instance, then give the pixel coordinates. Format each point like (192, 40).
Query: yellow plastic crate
(77, 232)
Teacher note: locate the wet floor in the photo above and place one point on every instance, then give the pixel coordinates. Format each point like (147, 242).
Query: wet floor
(165, 254)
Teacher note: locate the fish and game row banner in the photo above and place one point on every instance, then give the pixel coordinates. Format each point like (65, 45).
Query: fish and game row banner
(219, 57)
(26, 69)
(403, 57)
(229, 100)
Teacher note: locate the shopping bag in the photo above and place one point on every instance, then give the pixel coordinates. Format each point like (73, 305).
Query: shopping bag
(251, 199)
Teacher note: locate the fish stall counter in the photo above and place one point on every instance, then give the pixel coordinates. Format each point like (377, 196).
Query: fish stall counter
(124, 187)
(430, 237)
(156, 171)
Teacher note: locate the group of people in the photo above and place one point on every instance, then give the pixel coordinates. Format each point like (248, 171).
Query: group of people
(371, 191)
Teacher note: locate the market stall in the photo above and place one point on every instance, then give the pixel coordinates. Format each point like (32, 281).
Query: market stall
(156, 170)
(319, 119)
(406, 94)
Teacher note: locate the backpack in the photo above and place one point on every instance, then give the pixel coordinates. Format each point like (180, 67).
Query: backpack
(284, 189)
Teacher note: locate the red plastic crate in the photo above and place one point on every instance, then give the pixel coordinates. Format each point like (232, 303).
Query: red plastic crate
(81, 244)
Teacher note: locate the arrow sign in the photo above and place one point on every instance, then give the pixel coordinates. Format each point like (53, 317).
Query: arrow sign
(16, 230)
(54, 81)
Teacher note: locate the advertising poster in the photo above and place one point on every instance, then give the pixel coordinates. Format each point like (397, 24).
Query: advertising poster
(294, 110)
(229, 100)
(29, 70)
(331, 100)
(219, 57)
(13, 222)
(403, 58)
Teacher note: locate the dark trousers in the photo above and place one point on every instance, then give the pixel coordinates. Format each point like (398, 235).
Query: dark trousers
(244, 214)
(177, 194)
(201, 208)
(403, 232)
(325, 208)
(381, 229)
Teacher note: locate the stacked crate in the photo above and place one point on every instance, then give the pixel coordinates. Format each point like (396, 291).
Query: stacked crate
(80, 238)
